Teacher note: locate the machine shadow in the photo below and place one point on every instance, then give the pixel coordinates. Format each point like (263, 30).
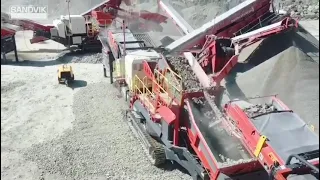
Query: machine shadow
(78, 84)
(171, 166)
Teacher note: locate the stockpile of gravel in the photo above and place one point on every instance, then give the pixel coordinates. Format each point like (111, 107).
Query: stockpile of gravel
(100, 144)
(198, 12)
(93, 58)
(285, 70)
(74, 57)
(303, 9)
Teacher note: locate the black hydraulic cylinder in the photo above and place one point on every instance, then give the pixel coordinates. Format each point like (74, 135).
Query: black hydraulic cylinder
(111, 59)
(15, 49)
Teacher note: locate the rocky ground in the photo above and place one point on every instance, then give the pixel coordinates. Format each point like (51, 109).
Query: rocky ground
(197, 12)
(303, 9)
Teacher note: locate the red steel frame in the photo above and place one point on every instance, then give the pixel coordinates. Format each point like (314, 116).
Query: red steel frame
(233, 23)
(172, 114)
(250, 137)
(6, 32)
(213, 167)
(222, 67)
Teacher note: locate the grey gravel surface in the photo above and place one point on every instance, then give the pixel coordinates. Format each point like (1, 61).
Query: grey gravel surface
(100, 143)
(198, 12)
(73, 57)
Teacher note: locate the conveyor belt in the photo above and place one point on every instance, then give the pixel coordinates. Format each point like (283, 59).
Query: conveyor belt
(200, 33)
(144, 37)
(224, 147)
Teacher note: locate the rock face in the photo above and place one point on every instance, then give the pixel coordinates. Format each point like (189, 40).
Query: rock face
(197, 12)
(306, 9)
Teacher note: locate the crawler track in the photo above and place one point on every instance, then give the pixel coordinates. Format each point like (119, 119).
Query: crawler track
(153, 149)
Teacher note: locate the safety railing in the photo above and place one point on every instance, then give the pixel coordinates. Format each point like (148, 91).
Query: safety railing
(170, 84)
(175, 77)
(163, 89)
(141, 87)
(252, 26)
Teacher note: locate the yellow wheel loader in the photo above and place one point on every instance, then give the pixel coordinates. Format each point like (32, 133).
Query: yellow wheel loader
(65, 74)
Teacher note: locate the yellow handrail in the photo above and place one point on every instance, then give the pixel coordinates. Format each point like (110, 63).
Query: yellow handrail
(138, 84)
(176, 91)
(161, 84)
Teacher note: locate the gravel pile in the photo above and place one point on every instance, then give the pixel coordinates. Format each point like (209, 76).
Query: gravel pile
(198, 12)
(70, 57)
(100, 144)
(93, 59)
(52, 132)
(303, 9)
(287, 71)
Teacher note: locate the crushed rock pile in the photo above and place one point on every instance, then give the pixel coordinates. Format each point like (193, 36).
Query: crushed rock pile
(284, 69)
(303, 9)
(198, 12)
(92, 58)
(100, 145)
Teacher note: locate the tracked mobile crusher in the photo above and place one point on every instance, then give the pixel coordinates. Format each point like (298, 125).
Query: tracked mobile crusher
(210, 138)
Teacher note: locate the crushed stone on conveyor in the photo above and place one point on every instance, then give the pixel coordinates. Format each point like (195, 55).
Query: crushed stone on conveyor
(182, 67)
(227, 149)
